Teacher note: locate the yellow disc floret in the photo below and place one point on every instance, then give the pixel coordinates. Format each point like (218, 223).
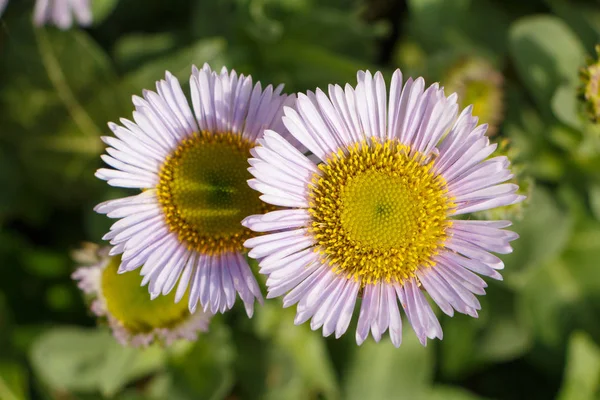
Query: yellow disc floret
(129, 302)
(204, 193)
(379, 212)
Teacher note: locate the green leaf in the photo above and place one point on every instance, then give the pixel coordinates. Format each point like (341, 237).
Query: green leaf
(565, 106)
(74, 353)
(13, 381)
(380, 371)
(88, 360)
(547, 54)
(582, 375)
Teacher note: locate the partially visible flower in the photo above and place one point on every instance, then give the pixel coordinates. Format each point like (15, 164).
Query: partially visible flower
(374, 217)
(185, 227)
(478, 83)
(590, 87)
(134, 318)
(3, 4)
(61, 13)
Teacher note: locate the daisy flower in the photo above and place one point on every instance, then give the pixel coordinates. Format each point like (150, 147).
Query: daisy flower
(134, 319)
(374, 217)
(59, 12)
(185, 227)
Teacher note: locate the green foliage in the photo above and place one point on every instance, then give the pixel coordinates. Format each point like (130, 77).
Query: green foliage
(378, 371)
(582, 375)
(546, 54)
(89, 361)
(537, 335)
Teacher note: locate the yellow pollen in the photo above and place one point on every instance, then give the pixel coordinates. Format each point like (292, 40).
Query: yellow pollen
(130, 303)
(204, 193)
(379, 212)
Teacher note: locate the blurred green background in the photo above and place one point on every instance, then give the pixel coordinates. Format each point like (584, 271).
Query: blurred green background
(538, 334)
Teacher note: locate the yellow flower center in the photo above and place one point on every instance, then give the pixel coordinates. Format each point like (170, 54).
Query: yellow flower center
(378, 211)
(204, 193)
(130, 303)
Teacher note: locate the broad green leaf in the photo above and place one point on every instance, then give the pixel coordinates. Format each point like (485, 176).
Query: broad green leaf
(88, 360)
(547, 54)
(582, 374)
(380, 371)
(76, 356)
(13, 381)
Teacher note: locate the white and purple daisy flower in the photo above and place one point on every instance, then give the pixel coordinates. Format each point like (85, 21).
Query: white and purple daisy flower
(61, 13)
(134, 319)
(374, 217)
(3, 4)
(185, 227)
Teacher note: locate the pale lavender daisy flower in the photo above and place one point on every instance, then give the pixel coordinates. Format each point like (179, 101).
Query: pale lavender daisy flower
(373, 218)
(185, 227)
(134, 319)
(61, 13)
(3, 4)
